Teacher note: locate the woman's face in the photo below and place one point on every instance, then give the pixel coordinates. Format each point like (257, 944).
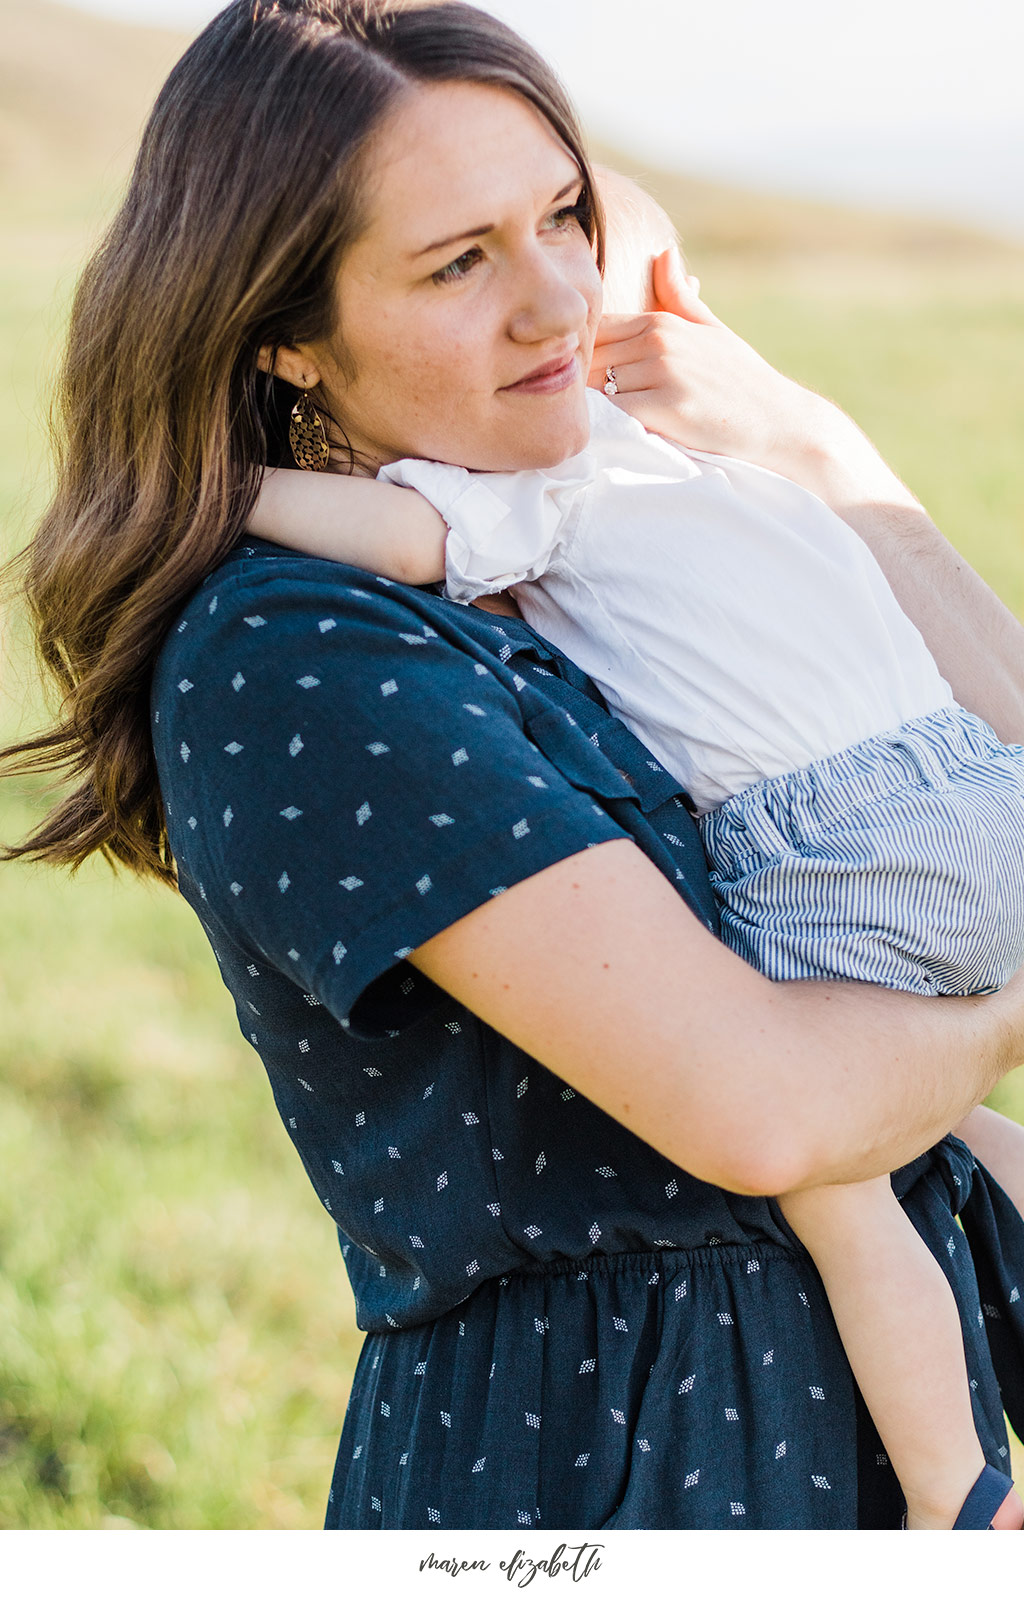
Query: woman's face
(468, 307)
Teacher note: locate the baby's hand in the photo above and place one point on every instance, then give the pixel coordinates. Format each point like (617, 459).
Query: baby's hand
(684, 374)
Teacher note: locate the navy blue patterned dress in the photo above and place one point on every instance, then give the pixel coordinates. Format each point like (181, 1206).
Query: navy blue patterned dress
(564, 1329)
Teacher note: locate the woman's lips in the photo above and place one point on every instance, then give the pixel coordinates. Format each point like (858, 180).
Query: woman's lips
(551, 378)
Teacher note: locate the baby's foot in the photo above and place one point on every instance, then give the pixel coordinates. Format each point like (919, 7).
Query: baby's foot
(941, 1514)
(1011, 1513)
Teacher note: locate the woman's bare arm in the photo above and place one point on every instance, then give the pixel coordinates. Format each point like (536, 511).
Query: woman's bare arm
(684, 374)
(597, 968)
(377, 526)
(977, 643)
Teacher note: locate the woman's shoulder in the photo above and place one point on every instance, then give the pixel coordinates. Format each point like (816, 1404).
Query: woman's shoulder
(259, 577)
(271, 606)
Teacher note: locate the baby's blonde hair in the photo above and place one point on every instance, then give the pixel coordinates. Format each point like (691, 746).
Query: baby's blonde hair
(637, 231)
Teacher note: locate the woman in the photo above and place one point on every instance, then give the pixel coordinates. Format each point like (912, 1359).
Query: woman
(463, 915)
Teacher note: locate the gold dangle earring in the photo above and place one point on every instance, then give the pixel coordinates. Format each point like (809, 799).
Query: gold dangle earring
(307, 435)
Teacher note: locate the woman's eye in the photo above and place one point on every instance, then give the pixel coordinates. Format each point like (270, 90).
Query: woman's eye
(570, 215)
(459, 267)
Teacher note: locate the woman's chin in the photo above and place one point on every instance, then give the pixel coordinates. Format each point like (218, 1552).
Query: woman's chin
(550, 443)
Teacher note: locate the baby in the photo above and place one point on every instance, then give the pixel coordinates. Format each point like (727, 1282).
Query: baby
(858, 823)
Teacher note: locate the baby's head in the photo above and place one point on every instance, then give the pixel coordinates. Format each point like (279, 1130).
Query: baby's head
(637, 231)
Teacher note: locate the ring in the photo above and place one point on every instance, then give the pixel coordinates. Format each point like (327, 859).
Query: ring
(611, 387)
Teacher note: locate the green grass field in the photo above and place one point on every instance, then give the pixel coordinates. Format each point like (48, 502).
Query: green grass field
(176, 1333)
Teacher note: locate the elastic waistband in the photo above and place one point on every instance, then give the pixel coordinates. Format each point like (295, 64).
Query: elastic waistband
(646, 1262)
(785, 812)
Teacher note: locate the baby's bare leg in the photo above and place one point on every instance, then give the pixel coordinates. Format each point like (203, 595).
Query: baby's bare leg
(899, 1325)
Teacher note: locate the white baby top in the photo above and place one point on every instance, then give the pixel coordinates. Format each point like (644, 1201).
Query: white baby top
(737, 625)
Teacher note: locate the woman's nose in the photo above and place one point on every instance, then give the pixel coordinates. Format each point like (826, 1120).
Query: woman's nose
(550, 304)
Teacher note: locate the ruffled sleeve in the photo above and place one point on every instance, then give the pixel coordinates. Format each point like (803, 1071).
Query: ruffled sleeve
(504, 527)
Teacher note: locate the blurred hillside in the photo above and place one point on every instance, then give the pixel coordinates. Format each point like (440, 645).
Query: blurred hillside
(75, 90)
(176, 1334)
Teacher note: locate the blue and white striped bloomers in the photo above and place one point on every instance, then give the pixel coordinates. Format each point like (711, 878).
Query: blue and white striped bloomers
(899, 861)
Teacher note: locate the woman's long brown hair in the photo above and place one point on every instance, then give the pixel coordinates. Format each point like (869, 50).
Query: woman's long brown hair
(244, 197)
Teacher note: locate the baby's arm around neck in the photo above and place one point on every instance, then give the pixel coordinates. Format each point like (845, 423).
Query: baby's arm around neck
(378, 526)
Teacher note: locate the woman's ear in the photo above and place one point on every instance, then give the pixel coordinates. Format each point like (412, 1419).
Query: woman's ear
(288, 362)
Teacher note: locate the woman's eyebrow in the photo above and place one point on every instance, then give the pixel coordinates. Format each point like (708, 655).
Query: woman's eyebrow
(488, 227)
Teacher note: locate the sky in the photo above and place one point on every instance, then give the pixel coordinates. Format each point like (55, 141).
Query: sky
(914, 104)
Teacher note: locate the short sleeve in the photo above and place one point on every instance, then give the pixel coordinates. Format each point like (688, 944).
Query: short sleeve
(503, 527)
(353, 781)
